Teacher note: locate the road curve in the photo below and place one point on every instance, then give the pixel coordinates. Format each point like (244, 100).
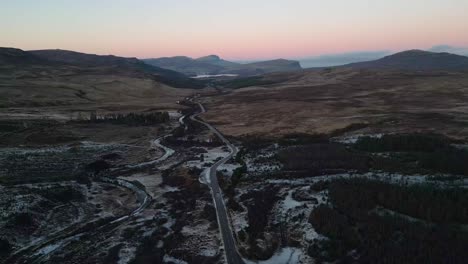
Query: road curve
(230, 249)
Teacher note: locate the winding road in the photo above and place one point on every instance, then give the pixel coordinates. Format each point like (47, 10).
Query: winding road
(231, 253)
(29, 253)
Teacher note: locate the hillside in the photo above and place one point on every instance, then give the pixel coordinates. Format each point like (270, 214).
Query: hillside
(213, 64)
(12, 56)
(64, 79)
(321, 101)
(185, 65)
(78, 58)
(416, 60)
(271, 66)
(165, 76)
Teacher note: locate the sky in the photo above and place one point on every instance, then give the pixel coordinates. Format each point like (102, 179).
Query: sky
(240, 29)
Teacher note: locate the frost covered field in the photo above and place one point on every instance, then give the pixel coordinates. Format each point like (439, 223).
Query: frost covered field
(276, 203)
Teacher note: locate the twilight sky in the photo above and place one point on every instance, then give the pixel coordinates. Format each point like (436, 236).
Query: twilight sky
(237, 29)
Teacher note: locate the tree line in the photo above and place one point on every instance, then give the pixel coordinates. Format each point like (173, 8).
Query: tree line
(132, 119)
(426, 226)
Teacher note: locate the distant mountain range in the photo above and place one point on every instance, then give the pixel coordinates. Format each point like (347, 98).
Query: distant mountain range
(83, 59)
(58, 59)
(213, 64)
(12, 56)
(330, 60)
(416, 60)
(411, 61)
(173, 71)
(450, 49)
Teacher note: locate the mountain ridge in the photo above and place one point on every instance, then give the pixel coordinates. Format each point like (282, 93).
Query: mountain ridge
(418, 60)
(17, 56)
(53, 58)
(213, 64)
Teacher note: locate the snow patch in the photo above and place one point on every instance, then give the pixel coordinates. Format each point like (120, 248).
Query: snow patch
(228, 168)
(48, 249)
(126, 254)
(286, 255)
(351, 139)
(168, 258)
(289, 202)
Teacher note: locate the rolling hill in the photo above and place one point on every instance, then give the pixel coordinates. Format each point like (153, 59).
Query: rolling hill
(213, 64)
(185, 65)
(62, 79)
(165, 76)
(416, 60)
(12, 56)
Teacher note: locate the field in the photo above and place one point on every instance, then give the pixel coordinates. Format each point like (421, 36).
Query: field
(126, 176)
(63, 91)
(323, 101)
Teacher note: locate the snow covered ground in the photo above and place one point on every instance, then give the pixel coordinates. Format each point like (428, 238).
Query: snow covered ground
(228, 168)
(289, 203)
(259, 166)
(298, 200)
(383, 176)
(169, 259)
(154, 145)
(351, 139)
(288, 255)
(209, 158)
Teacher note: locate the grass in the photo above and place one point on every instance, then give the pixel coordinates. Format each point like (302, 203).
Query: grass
(246, 82)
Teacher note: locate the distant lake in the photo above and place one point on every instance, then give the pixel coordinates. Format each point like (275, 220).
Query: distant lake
(214, 76)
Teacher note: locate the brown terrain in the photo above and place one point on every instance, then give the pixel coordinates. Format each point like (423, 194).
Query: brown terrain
(322, 101)
(39, 96)
(80, 186)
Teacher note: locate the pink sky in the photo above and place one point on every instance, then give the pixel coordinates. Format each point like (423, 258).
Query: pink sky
(239, 29)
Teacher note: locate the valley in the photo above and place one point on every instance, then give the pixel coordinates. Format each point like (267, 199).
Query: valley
(118, 164)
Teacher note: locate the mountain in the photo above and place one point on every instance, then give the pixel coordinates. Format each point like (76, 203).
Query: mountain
(216, 60)
(166, 76)
(78, 58)
(450, 49)
(279, 65)
(213, 64)
(69, 79)
(12, 56)
(185, 65)
(416, 60)
(329, 60)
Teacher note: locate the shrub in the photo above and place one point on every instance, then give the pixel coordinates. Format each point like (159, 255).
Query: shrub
(403, 142)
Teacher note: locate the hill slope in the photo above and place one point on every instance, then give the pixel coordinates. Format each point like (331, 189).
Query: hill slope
(213, 64)
(87, 81)
(185, 65)
(12, 56)
(165, 76)
(416, 60)
(279, 65)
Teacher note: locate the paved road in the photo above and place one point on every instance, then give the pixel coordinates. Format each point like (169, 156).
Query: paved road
(230, 248)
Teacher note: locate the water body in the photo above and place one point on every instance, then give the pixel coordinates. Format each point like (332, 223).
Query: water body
(214, 76)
